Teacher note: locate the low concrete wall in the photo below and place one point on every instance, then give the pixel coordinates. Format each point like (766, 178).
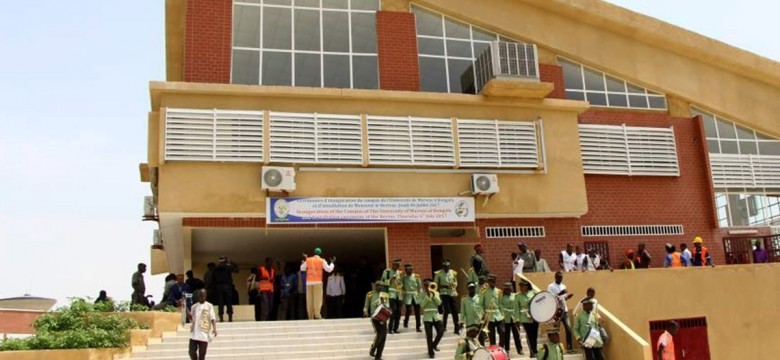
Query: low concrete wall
(739, 302)
(159, 322)
(18, 321)
(75, 354)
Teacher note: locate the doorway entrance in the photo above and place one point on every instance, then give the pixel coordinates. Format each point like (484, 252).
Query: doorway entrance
(360, 254)
(458, 255)
(691, 341)
(739, 250)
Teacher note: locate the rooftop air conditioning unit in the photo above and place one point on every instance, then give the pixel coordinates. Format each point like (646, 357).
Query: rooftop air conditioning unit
(484, 184)
(157, 239)
(150, 209)
(503, 60)
(278, 178)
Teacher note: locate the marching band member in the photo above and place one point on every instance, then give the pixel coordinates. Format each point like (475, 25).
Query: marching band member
(446, 280)
(373, 299)
(553, 350)
(510, 311)
(471, 309)
(411, 287)
(530, 325)
(479, 264)
(490, 299)
(430, 302)
(392, 278)
(469, 344)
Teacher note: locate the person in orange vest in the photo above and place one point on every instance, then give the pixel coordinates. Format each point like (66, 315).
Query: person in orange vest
(665, 347)
(700, 255)
(313, 266)
(673, 258)
(265, 286)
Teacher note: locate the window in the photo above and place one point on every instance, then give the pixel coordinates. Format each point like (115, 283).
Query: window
(447, 49)
(213, 135)
(628, 150)
(312, 43)
(747, 209)
(600, 89)
(726, 137)
(504, 232)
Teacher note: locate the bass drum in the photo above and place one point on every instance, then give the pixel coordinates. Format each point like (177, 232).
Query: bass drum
(545, 306)
(493, 352)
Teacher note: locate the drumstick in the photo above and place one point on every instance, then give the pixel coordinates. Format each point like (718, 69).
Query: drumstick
(465, 273)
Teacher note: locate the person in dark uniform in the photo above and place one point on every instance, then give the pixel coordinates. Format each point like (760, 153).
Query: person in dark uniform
(373, 299)
(223, 281)
(479, 264)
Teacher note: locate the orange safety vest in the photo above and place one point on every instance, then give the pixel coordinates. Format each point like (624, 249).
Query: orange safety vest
(703, 256)
(314, 269)
(266, 285)
(668, 353)
(676, 260)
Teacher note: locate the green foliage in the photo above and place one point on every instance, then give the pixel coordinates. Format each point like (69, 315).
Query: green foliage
(80, 325)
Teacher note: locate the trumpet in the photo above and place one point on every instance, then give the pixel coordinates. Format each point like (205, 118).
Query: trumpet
(433, 287)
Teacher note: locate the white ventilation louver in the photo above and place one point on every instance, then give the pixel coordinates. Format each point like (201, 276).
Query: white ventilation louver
(745, 171)
(513, 232)
(499, 144)
(315, 138)
(213, 135)
(410, 141)
(628, 150)
(631, 230)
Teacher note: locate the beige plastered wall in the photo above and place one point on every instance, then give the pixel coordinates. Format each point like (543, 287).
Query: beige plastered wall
(207, 187)
(640, 49)
(739, 302)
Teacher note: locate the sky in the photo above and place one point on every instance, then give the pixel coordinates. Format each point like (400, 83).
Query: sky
(73, 102)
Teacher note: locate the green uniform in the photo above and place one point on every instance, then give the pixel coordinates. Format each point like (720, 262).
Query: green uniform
(509, 308)
(471, 311)
(373, 299)
(447, 281)
(392, 278)
(582, 325)
(473, 276)
(490, 299)
(523, 305)
(553, 352)
(430, 306)
(466, 348)
(411, 284)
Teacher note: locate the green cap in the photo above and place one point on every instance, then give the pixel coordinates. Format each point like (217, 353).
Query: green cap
(446, 263)
(317, 251)
(397, 261)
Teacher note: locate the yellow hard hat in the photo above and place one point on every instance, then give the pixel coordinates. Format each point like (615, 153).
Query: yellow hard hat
(697, 240)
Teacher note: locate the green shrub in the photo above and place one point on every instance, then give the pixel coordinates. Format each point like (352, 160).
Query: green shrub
(79, 325)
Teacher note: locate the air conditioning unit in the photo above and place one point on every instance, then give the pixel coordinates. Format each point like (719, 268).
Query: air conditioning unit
(157, 239)
(150, 209)
(484, 184)
(276, 178)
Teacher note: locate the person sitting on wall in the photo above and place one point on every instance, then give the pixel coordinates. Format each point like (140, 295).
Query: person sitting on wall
(541, 263)
(628, 264)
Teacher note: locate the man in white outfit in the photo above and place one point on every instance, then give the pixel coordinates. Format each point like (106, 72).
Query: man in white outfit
(204, 324)
(567, 259)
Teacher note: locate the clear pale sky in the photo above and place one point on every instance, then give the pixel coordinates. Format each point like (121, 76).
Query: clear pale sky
(73, 103)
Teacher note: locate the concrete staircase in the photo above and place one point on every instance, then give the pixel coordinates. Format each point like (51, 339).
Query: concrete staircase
(303, 339)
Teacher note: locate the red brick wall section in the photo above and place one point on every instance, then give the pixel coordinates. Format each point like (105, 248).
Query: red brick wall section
(399, 68)
(207, 42)
(639, 200)
(17, 321)
(553, 74)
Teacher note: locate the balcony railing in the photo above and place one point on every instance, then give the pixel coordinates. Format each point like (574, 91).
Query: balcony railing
(506, 60)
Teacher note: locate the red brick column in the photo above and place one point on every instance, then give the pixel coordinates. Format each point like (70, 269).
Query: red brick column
(399, 68)
(207, 41)
(553, 74)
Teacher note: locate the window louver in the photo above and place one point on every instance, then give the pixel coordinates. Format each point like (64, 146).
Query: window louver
(627, 150)
(315, 138)
(410, 141)
(485, 143)
(745, 171)
(213, 135)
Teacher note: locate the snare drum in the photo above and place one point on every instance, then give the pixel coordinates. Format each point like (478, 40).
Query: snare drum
(382, 313)
(545, 306)
(493, 352)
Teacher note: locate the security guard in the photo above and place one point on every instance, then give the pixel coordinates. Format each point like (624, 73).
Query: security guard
(373, 299)
(490, 299)
(412, 287)
(392, 278)
(430, 302)
(446, 280)
(510, 311)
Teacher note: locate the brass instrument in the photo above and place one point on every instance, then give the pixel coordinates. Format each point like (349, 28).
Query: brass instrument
(433, 287)
(397, 284)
